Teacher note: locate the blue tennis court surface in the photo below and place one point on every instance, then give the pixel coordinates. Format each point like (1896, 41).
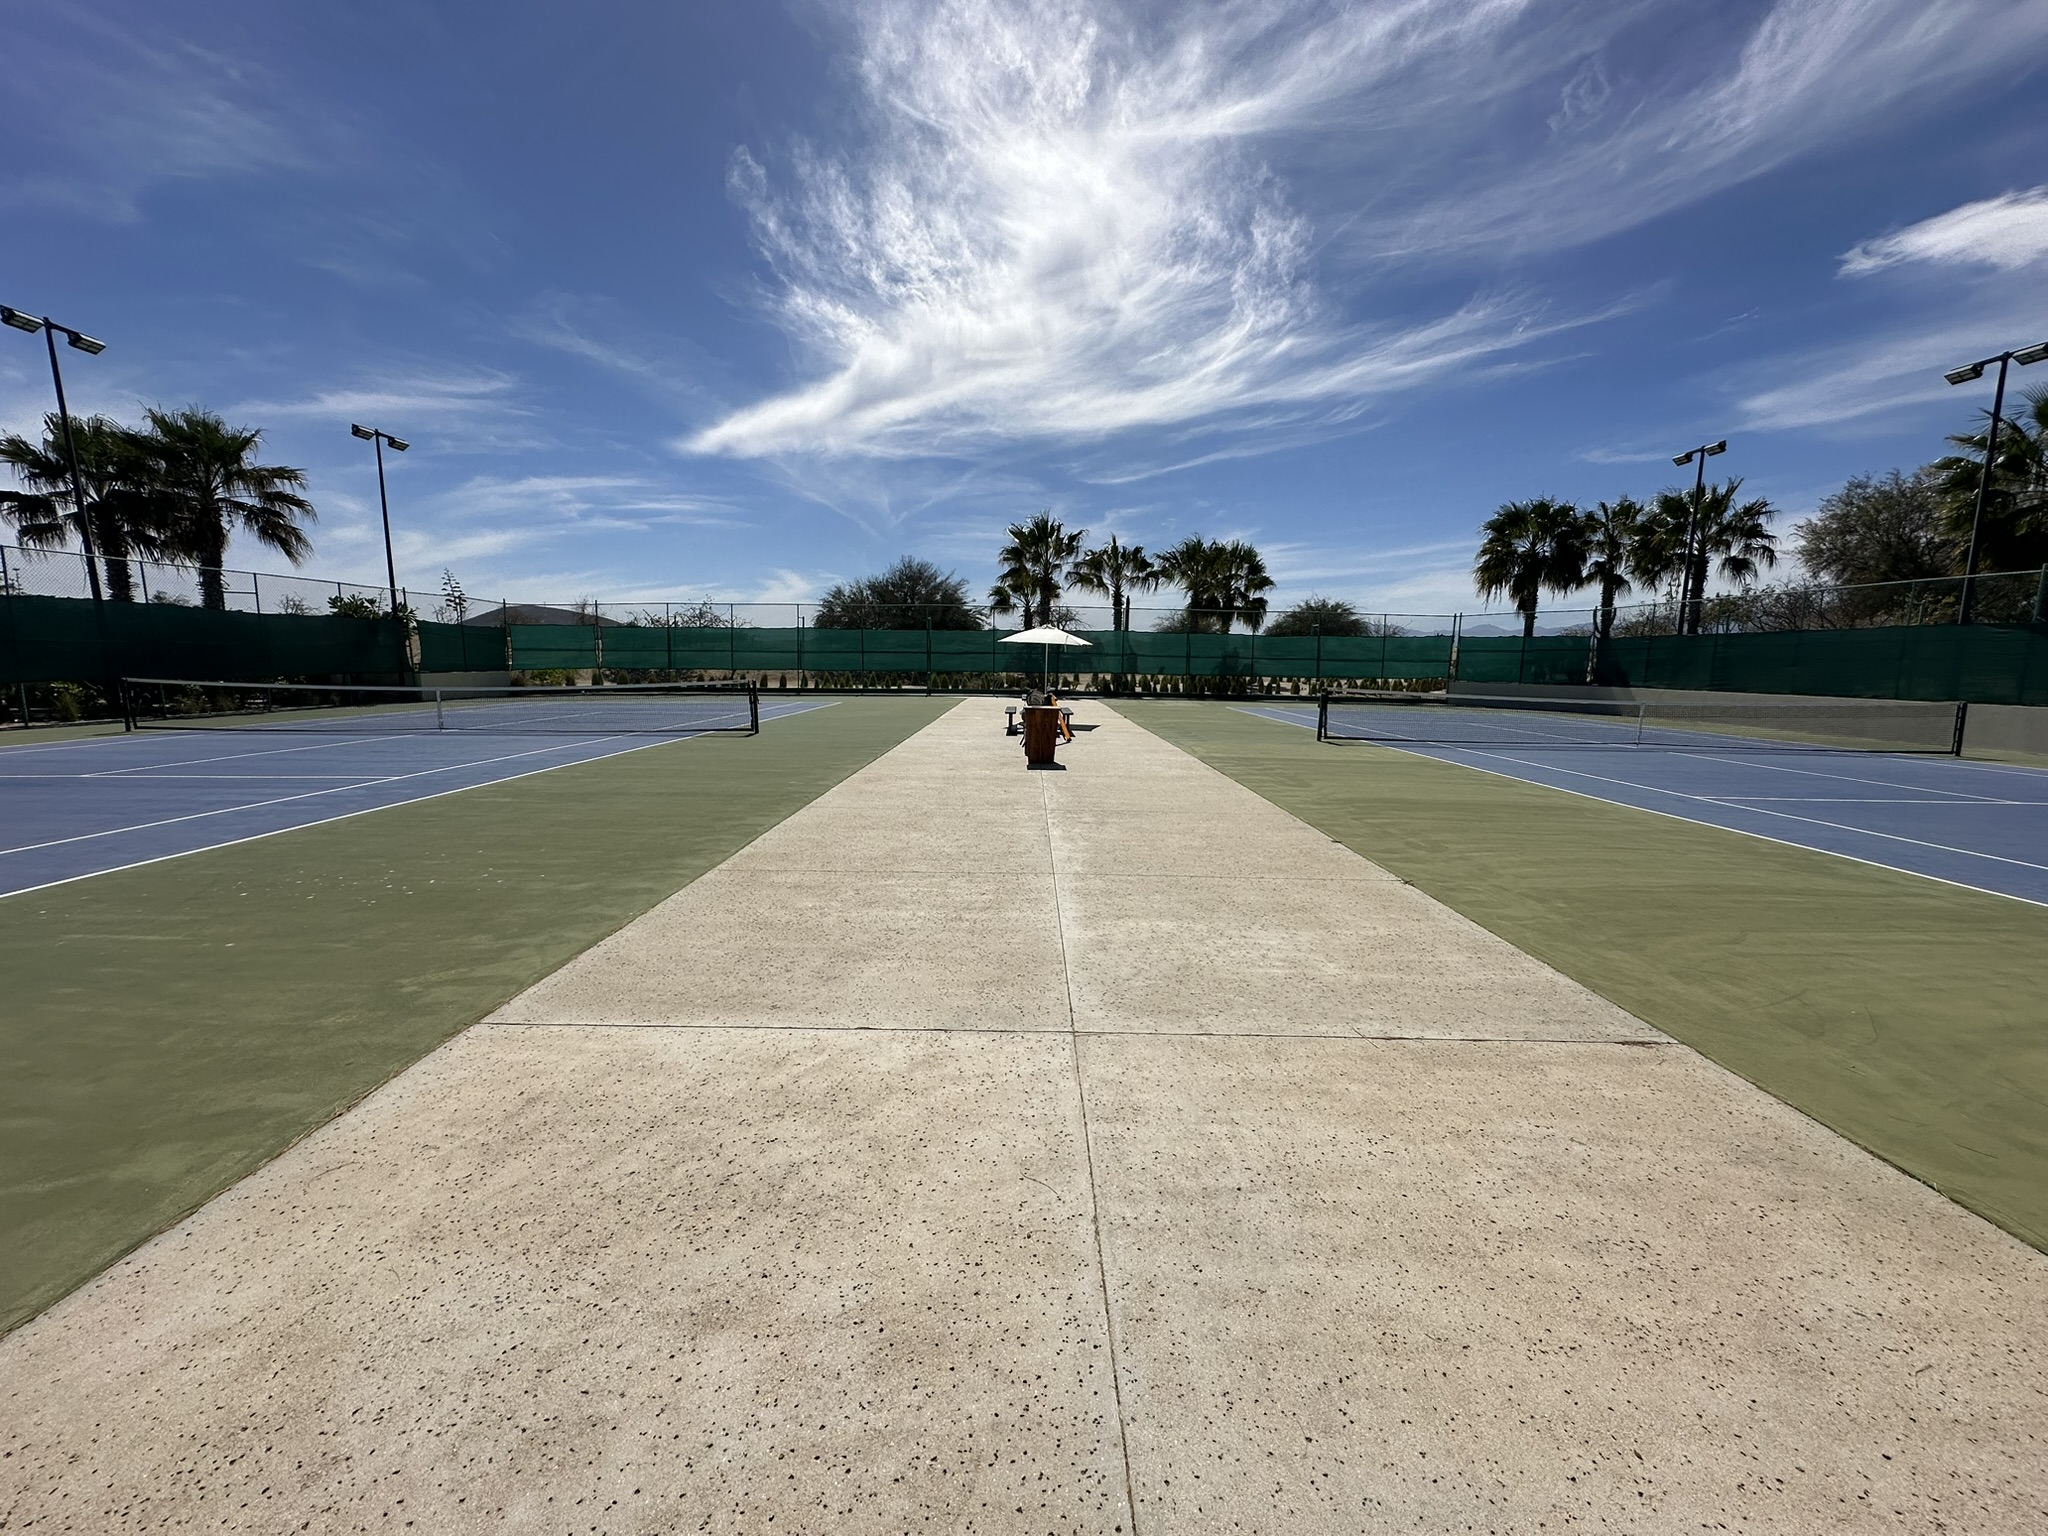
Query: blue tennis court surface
(69, 809)
(1977, 824)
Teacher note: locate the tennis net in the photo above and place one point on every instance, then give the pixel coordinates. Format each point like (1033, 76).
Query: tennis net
(659, 709)
(1793, 725)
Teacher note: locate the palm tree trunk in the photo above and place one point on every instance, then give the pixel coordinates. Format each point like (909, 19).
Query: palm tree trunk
(1605, 627)
(113, 543)
(211, 548)
(1529, 622)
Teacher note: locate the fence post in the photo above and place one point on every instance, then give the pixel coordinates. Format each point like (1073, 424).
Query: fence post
(256, 592)
(2041, 597)
(1457, 629)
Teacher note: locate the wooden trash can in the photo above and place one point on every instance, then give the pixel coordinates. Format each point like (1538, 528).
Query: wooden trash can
(1041, 734)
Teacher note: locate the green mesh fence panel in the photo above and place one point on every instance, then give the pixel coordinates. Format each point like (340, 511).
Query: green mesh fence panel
(768, 650)
(58, 639)
(1285, 656)
(1990, 663)
(566, 647)
(970, 650)
(1983, 663)
(461, 647)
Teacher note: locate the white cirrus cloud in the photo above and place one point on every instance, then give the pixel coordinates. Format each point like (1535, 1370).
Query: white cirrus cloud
(1066, 220)
(2006, 232)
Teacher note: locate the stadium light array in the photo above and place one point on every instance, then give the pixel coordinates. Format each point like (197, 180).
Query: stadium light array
(1969, 373)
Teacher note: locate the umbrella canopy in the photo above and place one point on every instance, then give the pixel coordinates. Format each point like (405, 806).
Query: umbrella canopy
(1045, 634)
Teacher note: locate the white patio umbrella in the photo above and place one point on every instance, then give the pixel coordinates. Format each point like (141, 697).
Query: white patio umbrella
(1046, 636)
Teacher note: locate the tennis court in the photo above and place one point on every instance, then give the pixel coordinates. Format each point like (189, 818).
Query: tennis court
(1977, 824)
(929, 1143)
(85, 806)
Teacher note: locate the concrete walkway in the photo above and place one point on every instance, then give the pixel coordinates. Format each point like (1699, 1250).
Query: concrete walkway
(1095, 1151)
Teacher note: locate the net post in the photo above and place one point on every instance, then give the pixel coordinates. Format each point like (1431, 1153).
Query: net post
(440, 719)
(753, 709)
(1955, 748)
(127, 708)
(1323, 715)
(1642, 714)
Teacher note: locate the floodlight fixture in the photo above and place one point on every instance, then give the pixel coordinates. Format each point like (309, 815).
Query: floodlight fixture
(1694, 569)
(20, 320)
(1964, 375)
(377, 437)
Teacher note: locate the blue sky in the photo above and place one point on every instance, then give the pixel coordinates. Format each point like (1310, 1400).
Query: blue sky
(743, 299)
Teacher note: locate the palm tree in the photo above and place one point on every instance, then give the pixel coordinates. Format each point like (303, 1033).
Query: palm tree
(112, 469)
(1734, 537)
(1116, 571)
(1611, 533)
(207, 488)
(1717, 525)
(1531, 547)
(2015, 535)
(1033, 564)
(1225, 582)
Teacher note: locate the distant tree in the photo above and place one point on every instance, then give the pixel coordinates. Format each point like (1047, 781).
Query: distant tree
(1225, 580)
(1033, 568)
(1116, 571)
(1879, 528)
(2015, 536)
(910, 594)
(119, 515)
(1529, 548)
(356, 605)
(702, 614)
(206, 488)
(454, 601)
(1612, 535)
(1320, 615)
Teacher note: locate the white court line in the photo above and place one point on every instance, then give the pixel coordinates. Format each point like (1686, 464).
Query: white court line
(150, 778)
(311, 794)
(1846, 778)
(1958, 805)
(1695, 821)
(1814, 821)
(371, 810)
(303, 826)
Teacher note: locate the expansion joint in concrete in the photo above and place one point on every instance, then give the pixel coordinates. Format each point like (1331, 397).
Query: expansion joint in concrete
(1116, 1379)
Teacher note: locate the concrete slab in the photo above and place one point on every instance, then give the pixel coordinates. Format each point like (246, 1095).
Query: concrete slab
(1269, 956)
(623, 1281)
(1191, 904)
(847, 949)
(1513, 1287)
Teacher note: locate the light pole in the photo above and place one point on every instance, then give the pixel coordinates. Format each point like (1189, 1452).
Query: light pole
(379, 438)
(1969, 373)
(1693, 530)
(91, 348)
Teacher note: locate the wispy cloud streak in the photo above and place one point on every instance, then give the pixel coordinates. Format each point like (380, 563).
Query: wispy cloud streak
(2004, 232)
(1064, 220)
